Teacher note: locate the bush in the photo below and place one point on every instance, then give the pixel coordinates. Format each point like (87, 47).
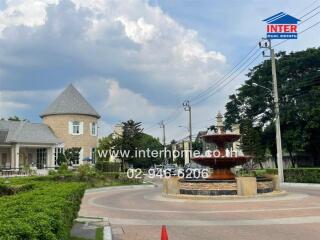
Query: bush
(302, 175)
(108, 167)
(296, 175)
(45, 213)
(61, 159)
(63, 169)
(85, 170)
(11, 190)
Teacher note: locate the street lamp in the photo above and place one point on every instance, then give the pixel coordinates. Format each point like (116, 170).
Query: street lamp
(180, 126)
(257, 85)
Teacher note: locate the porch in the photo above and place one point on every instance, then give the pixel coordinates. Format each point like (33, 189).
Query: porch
(15, 157)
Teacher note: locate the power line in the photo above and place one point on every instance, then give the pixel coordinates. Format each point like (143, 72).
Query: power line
(226, 83)
(307, 7)
(256, 46)
(310, 11)
(235, 67)
(200, 97)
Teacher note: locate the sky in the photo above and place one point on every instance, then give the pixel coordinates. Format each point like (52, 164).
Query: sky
(136, 59)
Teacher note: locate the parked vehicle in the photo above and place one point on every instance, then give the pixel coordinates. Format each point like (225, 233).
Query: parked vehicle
(158, 169)
(193, 170)
(170, 169)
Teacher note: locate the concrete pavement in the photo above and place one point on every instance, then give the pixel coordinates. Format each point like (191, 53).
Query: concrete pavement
(138, 213)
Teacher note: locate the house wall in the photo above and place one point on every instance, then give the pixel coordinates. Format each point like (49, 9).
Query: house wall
(60, 126)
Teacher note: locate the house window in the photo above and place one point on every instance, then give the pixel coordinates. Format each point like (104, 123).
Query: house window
(4, 159)
(57, 151)
(93, 155)
(76, 157)
(94, 129)
(41, 158)
(76, 127)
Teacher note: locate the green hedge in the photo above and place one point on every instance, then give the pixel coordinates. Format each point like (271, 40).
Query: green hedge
(302, 175)
(108, 167)
(46, 212)
(296, 175)
(14, 189)
(95, 180)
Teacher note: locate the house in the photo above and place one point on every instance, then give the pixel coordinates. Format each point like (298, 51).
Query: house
(69, 121)
(23, 143)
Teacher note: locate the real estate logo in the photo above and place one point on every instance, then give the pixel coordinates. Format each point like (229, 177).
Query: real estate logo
(282, 26)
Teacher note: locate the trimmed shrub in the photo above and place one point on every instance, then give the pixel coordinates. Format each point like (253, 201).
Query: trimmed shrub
(108, 167)
(296, 175)
(45, 213)
(302, 175)
(10, 190)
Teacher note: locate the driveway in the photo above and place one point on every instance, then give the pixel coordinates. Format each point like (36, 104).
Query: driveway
(138, 212)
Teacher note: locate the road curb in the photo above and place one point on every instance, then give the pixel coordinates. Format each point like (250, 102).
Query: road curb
(287, 184)
(124, 187)
(98, 221)
(107, 233)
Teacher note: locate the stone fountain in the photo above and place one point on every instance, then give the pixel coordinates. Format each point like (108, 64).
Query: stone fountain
(221, 159)
(221, 155)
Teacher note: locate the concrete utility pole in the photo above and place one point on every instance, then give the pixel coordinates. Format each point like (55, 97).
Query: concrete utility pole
(187, 107)
(163, 126)
(266, 43)
(163, 132)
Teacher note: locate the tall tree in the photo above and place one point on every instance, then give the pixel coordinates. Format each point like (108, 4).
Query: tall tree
(128, 141)
(298, 83)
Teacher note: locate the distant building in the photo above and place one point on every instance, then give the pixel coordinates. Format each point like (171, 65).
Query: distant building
(181, 146)
(117, 132)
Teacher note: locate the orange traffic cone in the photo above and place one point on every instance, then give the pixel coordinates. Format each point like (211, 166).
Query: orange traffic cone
(164, 234)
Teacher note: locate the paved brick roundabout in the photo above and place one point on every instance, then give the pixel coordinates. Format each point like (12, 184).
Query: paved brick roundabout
(138, 213)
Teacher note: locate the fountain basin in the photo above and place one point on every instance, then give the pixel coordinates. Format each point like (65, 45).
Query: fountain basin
(221, 166)
(205, 187)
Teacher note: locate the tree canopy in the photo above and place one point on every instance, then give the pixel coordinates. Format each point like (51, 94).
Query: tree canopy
(252, 107)
(132, 140)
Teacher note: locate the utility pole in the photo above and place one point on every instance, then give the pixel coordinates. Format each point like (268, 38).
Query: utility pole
(163, 132)
(163, 126)
(266, 43)
(187, 107)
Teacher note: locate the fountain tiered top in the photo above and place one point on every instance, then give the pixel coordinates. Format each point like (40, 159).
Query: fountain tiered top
(222, 158)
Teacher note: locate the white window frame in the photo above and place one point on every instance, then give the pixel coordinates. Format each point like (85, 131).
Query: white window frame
(76, 126)
(57, 151)
(93, 129)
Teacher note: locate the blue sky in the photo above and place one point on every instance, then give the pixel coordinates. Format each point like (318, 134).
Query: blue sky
(134, 59)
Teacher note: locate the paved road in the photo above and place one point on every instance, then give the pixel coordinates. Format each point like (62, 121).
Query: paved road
(138, 213)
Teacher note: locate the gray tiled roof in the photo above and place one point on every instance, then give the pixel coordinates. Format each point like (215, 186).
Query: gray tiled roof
(3, 136)
(26, 132)
(70, 101)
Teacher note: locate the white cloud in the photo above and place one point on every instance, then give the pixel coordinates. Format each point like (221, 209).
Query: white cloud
(9, 107)
(11, 102)
(126, 104)
(28, 13)
(131, 41)
(138, 31)
(167, 52)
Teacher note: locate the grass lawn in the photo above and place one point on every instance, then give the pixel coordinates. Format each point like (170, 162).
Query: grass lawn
(99, 235)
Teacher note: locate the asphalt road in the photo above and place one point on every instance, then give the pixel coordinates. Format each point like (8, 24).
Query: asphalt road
(139, 212)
